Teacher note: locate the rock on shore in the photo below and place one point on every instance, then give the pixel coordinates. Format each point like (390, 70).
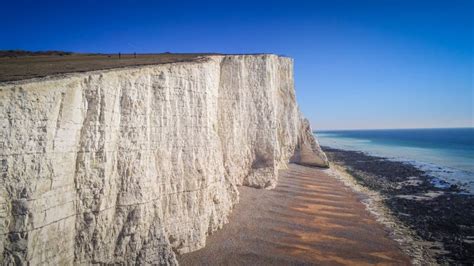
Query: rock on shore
(135, 164)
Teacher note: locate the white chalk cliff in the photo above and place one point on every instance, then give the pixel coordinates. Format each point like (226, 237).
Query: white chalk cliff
(133, 165)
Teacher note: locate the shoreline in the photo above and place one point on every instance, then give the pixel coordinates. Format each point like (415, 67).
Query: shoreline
(411, 245)
(430, 222)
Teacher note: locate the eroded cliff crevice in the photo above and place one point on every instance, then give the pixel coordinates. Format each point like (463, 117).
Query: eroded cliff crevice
(133, 165)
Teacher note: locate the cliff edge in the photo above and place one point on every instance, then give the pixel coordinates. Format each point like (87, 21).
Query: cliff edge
(132, 165)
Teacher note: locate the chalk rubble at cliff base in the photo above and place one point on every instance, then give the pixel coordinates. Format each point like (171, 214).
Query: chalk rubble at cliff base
(132, 165)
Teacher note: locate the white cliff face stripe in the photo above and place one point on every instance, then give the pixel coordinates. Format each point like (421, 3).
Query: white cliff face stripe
(133, 165)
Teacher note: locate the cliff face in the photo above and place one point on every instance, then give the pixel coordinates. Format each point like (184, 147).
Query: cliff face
(132, 165)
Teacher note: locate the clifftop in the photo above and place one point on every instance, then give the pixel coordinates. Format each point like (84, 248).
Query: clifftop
(20, 65)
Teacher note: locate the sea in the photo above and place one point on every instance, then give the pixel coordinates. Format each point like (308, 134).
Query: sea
(444, 153)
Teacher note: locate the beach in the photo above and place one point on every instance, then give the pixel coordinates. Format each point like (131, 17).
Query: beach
(437, 215)
(310, 218)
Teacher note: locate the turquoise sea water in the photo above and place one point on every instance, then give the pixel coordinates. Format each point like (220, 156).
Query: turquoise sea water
(444, 153)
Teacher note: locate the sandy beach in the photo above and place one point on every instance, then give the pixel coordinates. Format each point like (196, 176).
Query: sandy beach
(309, 218)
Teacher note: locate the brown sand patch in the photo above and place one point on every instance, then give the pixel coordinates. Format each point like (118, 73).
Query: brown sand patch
(309, 218)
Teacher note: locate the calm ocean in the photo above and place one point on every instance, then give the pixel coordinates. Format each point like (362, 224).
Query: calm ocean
(447, 153)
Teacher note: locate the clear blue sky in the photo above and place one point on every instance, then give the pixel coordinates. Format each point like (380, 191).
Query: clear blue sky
(358, 64)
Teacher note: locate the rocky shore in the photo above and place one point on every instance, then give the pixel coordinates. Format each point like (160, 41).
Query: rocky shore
(439, 213)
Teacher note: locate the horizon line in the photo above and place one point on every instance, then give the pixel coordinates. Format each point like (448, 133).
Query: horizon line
(407, 128)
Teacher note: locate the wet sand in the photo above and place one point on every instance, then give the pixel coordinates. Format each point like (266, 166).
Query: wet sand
(309, 218)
